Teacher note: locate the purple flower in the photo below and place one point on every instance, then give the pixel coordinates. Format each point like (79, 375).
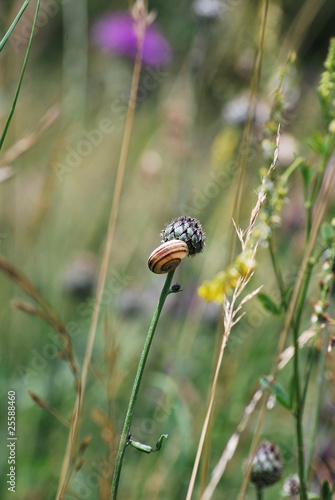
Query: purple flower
(115, 33)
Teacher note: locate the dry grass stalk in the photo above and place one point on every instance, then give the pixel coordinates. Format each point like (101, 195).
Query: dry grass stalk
(6, 173)
(28, 140)
(231, 446)
(29, 308)
(233, 441)
(231, 310)
(45, 312)
(46, 406)
(75, 424)
(247, 132)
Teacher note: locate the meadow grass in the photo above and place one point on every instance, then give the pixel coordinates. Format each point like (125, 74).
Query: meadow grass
(243, 352)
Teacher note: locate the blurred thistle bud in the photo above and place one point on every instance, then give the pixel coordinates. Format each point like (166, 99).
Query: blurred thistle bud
(331, 344)
(188, 230)
(291, 488)
(209, 10)
(267, 465)
(80, 276)
(181, 237)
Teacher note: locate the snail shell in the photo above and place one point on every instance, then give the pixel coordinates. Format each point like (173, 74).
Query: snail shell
(167, 256)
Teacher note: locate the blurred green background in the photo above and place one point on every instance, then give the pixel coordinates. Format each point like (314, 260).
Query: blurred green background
(53, 220)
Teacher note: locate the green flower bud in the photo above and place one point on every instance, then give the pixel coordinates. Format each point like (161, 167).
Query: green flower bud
(188, 230)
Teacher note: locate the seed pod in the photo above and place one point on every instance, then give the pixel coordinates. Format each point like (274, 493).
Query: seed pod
(167, 256)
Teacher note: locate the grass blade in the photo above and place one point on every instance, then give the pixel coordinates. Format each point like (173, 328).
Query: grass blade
(12, 26)
(11, 112)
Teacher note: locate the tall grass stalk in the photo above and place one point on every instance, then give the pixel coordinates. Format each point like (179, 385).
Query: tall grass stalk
(231, 309)
(247, 132)
(230, 320)
(75, 424)
(239, 186)
(298, 297)
(45, 311)
(233, 441)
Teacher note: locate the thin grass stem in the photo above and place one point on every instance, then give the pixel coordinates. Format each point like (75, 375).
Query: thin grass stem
(75, 427)
(298, 417)
(277, 271)
(12, 26)
(247, 132)
(131, 406)
(18, 88)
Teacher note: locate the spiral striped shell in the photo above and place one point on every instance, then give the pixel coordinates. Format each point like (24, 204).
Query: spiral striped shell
(167, 256)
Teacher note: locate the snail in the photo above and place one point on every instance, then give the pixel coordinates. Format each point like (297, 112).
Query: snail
(167, 256)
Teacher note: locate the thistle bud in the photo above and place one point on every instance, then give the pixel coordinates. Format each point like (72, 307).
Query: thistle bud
(267, 465)
(188, 230)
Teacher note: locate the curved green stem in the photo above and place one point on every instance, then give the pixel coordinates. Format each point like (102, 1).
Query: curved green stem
(127, 423)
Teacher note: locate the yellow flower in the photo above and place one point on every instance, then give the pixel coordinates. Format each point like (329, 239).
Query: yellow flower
(223, 283)
(214, 290)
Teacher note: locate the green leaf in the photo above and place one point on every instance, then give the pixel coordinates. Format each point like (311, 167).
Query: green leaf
(145, 447)
(307, 173)
(327, 233)
(14, 23)
(140, 446)
(317, 143)
(268, 303)
(160, 441)
(326, 492)
(287, 294)
(281, 395)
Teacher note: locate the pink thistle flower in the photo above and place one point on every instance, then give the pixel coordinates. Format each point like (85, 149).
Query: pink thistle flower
(116, 33)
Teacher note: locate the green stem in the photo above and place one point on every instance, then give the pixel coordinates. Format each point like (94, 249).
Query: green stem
(310, 201)
(127, 423)
(319, 381)
(299, 404)
(259, 492)
(277, 271)
(289, 171)
(302, 295)
(298, 418)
